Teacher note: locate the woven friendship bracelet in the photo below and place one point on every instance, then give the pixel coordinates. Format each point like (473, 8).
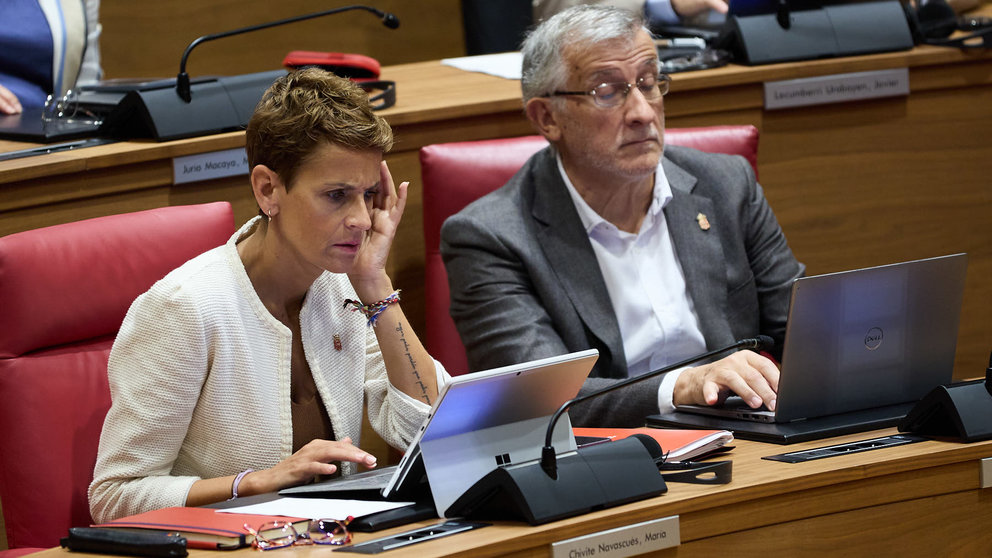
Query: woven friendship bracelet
(373, 310)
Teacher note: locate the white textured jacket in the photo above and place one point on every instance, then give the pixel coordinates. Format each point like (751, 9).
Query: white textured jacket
(200, 378)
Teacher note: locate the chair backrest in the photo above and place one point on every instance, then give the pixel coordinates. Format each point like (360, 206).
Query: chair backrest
(455, 174)
(64, 292)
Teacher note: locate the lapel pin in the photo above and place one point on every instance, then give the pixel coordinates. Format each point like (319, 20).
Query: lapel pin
(337, 342)
(704, 223)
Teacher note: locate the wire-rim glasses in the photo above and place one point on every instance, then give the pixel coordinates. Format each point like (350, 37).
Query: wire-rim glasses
(67, 110)
(614, 94)
(281, 534)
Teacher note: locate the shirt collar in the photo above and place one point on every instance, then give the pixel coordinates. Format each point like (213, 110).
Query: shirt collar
(661, 196)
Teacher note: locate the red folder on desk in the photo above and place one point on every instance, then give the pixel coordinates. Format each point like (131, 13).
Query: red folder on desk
(680, 445)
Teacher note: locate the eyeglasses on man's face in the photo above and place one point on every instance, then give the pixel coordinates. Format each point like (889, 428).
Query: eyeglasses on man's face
(280, 534)
(614, 94)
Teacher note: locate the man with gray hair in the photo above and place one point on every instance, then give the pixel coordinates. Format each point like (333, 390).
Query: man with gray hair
(609, 239)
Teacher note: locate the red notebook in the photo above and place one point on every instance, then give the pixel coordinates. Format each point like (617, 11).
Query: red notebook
(681, 445)
(202, 527)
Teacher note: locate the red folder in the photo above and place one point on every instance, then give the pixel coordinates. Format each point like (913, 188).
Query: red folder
(681, 445)
(202, 527)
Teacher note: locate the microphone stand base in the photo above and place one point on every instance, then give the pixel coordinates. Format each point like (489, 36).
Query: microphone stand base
(834, 30)
(592, 478)
(959, 412)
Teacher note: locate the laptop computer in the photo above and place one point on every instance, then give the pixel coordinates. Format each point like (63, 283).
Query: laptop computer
(478, 422)
(861, 347)
(29, 127)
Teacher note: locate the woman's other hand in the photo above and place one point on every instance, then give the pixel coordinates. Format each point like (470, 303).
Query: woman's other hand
(387, 210)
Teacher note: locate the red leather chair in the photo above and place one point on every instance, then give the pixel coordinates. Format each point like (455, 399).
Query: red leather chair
(64, 291)
(455, 174)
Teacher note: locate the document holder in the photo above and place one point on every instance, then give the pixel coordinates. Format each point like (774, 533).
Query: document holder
(960, 412)
(838, 30)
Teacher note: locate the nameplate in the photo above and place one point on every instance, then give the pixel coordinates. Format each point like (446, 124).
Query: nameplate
(207, 166)
(837, 88)
(629, 540)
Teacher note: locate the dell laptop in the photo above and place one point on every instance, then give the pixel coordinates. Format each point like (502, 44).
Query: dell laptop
(861, 347)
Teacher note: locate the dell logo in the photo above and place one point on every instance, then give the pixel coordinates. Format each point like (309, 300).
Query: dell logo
(873, 339)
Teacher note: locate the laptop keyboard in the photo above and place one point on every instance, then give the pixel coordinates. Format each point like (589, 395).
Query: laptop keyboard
(376, 479)
(737, 404)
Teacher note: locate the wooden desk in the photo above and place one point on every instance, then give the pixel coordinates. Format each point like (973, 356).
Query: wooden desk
(853, 184)
(920, 499)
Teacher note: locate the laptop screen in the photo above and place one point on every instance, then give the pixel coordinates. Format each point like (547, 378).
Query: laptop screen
(870, 337)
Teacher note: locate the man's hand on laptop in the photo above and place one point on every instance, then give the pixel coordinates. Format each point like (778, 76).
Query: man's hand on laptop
(749, 375)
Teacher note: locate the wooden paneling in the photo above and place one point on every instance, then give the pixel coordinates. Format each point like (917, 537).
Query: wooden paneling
(147, 39)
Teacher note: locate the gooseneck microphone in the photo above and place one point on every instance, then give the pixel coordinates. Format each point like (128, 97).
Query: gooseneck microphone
(549, 460)
(783, 14)
(182, 80)
(590, 478)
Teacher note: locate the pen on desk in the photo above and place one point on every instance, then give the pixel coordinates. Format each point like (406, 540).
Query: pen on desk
(68, 146)
(55, 148)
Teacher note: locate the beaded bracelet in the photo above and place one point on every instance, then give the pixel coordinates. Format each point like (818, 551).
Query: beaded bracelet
(373, 310)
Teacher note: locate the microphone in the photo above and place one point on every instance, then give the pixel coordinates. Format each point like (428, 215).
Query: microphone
(390, 20)
(182, 80)
(590, 478)
(782, 14)
(549, 457)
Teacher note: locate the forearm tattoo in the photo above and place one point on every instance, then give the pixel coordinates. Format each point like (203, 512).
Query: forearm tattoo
(413, 364)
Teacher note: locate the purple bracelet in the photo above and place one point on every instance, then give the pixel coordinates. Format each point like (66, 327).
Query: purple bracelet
(237, 482)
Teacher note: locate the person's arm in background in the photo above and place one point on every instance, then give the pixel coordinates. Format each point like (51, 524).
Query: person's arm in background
(8, 102)
(91, 71)
(657, 12)
(674, 12)
(543, 9)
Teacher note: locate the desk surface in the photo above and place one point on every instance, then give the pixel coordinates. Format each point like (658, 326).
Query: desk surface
(915, 500)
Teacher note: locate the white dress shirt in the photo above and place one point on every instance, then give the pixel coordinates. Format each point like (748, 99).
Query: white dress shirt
(647, 288)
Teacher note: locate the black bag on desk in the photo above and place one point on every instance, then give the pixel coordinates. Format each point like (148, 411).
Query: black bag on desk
(112, 541)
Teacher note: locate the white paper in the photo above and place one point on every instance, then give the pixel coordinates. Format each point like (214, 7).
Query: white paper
(316, 508)
(504, 65)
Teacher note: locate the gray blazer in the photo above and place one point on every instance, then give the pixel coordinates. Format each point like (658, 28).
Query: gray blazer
(525, 283)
